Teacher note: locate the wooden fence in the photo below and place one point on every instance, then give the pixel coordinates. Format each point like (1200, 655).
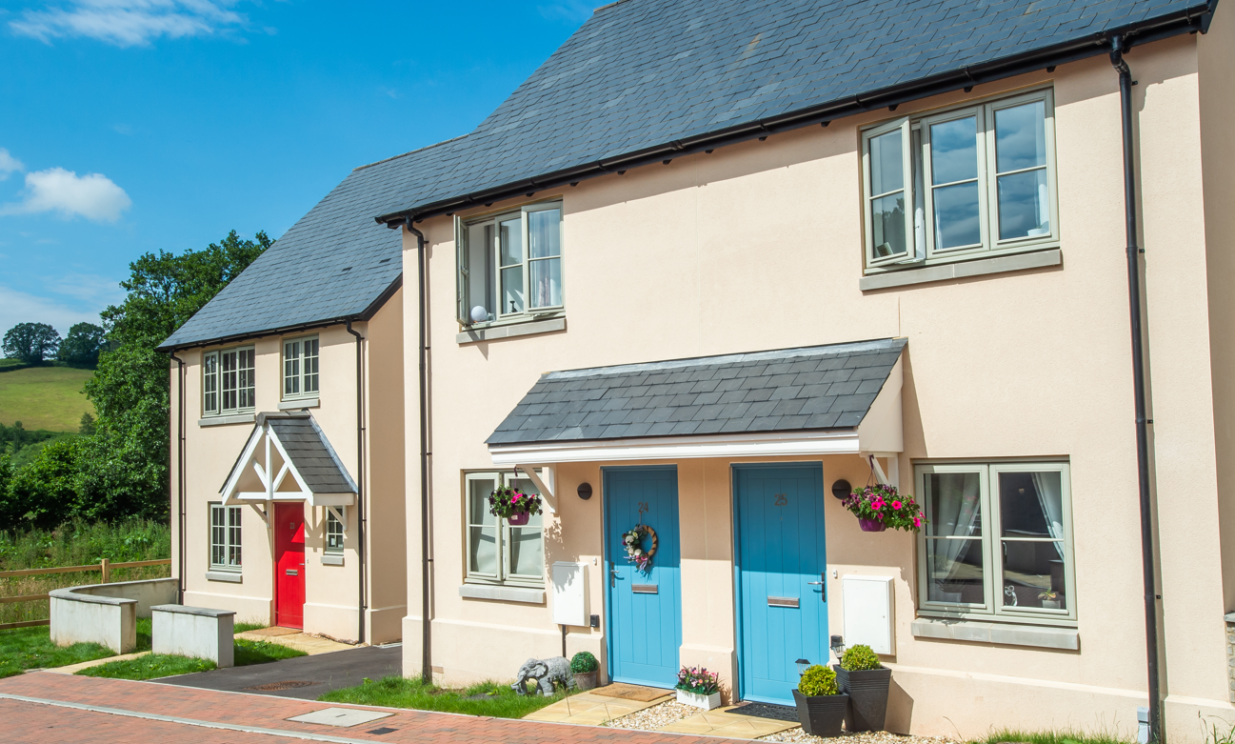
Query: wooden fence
(106, 567)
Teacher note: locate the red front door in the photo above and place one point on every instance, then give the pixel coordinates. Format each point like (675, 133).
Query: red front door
(289, 565)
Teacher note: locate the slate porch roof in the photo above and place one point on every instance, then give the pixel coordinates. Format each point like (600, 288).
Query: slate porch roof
(309, 451)
(819, 387)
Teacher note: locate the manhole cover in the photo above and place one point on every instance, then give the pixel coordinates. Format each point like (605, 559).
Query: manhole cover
(287, 684)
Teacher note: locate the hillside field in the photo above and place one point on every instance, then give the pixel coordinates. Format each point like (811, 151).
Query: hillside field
(48, 398)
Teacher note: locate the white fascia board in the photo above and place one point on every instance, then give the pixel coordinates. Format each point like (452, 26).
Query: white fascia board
(772, 444)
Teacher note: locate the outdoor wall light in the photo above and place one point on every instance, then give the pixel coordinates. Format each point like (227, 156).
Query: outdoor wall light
(838, 646)
(585, 491)
(841, 489)
(802, 665)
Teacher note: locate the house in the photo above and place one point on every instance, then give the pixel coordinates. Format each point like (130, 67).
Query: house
(716, 264)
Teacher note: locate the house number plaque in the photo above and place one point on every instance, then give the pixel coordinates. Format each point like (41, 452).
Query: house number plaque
(782, 499)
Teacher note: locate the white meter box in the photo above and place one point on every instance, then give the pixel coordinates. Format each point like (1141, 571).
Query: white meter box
(870, 617)
(570, 594)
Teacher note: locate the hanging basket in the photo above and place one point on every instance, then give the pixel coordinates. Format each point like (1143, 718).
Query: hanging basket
(871, 525)
(517, 520)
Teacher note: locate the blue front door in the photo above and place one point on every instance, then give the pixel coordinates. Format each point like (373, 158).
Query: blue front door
(645, 616)
(782, 563)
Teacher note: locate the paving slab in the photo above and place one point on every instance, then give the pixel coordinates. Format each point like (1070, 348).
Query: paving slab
(590, 709)
(341, 717)
(304, 677)
(310, 644)
(75, 668)
(720, 722)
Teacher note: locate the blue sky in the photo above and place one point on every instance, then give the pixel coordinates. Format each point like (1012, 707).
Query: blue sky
(129, 126)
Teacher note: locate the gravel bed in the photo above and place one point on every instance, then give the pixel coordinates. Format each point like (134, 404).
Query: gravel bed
(650, 719)
(798, 736)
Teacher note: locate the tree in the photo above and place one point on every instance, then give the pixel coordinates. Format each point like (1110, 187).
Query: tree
(46, 492)
(82, 345)
(31, 342)
(87, 426)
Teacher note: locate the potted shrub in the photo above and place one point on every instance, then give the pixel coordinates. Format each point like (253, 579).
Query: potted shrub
(513, 506)
(866, 682)
(880, 507)
(698, 687)
(586, 668)
(1050, 600)
(821, 705)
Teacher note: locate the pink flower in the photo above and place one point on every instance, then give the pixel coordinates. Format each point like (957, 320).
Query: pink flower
(917, 521)
(896, 504)
(877, 505)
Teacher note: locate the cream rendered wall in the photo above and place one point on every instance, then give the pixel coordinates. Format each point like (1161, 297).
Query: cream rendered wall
(758, 246)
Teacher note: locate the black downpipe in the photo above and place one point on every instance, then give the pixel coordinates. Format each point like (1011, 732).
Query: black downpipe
(180, 552)
(1138, 384)
(426, 661)
(360, 513)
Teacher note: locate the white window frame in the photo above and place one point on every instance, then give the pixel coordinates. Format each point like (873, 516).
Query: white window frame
(992, 608)
(333, 526)
(916, 150)
(465, 303)
(231, 532)
(295, 368)
(214, 379)
(504, 576)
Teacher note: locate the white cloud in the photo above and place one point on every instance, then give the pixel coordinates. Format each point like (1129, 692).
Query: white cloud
(93, 196)
(126, 23)
(9, 164)
(21, 307)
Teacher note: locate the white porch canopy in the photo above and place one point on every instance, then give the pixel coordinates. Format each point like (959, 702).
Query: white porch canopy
(288, 458)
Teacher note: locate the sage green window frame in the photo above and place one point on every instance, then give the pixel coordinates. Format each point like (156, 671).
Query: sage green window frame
(301, 370)
(229, 381)
(916, 151)
(476, 517)
(524, 268)
(226, 535)
(993, 607)
(335, 534)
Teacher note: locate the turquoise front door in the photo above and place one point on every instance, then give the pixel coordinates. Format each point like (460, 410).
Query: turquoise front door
(644, 606)
(781, 567)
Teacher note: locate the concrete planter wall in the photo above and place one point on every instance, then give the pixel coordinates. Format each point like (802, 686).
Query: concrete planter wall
(106, 613)
(196, 632)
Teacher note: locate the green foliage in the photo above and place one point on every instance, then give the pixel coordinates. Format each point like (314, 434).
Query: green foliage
(31, 648)
(43, 492)
(494, 699)
(818, 680)
(261, 652)
(87, 426)
(583, 662)
(48, 397)
(81, 347)
(247, 626)
(149, 666)
(79, 543)
(859, 659)
(1053, 737)
(31, 342)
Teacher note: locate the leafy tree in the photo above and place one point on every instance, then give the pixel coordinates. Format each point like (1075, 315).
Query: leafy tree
(31, 342)
(87, 424)
(82, 345)
(45, 492)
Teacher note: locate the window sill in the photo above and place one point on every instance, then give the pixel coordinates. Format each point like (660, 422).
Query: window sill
(962, 269)
(231, 577)
(329, 559)
(241, 418)
(511, 330)
(502, 593)
(298, 403)
(1067, 639)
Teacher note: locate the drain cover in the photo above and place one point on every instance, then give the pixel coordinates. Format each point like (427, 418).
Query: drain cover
(287, 684)
(383, 730)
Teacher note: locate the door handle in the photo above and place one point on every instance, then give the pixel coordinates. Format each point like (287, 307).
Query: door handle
(612, 576)
(824, 584)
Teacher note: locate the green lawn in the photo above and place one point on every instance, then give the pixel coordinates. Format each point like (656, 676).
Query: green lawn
(31, 648)
(48, 398)
(494, 699)
(152, 666)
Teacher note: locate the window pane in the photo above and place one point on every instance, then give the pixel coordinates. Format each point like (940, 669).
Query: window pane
(310, 365)
(957, 220)
(544, 233)
(483, 549)
(954, 150)
(1033, 574)
(955, 570)
(334, 533)
(481, 276)
(1024, 205)
(527, 551)
(888, 213)
(510, 232)
(546, 282)
(953, 504)
(210, 383)
(512, 290)
(478, 502)
(887, 163)
(1031, 504)
(229, 380)
(1020, 137)
(245, 361)
(291, 368)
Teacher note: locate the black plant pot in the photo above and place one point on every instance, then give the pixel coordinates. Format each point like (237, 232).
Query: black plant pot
(868, 693)
(822, 715)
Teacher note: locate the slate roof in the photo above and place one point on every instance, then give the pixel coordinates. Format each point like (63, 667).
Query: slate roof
(308, 449)
(819, 387)
(641, 74)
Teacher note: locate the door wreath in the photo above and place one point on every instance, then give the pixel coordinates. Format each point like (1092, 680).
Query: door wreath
(633, 542)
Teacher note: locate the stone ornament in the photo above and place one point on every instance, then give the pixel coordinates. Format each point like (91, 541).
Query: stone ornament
(547, 673)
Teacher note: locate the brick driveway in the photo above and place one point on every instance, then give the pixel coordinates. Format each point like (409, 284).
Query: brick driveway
(151, 712)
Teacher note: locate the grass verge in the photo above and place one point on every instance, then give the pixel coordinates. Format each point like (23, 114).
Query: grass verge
(485, 699)
(31, 648)
(150, 666)
(262, 652)
(1051, 737)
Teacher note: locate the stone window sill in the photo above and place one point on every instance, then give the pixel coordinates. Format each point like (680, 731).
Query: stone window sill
(332, 559)
(298, 403)
(502, 593)
(1038, 636)
(511, 330)
(242, 418)
(231, 577)
(961, 269)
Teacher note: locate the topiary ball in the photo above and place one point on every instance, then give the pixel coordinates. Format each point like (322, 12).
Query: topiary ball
(817, 681)
(583, 662)
(859, 659)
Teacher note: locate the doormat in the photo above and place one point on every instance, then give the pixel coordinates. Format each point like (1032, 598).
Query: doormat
(289, 684)
(766, 710)
(631, 692)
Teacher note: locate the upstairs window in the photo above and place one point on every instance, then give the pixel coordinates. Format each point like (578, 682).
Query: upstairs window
(962, 183)
(510, 265)
(300, 368)
(228, 381)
